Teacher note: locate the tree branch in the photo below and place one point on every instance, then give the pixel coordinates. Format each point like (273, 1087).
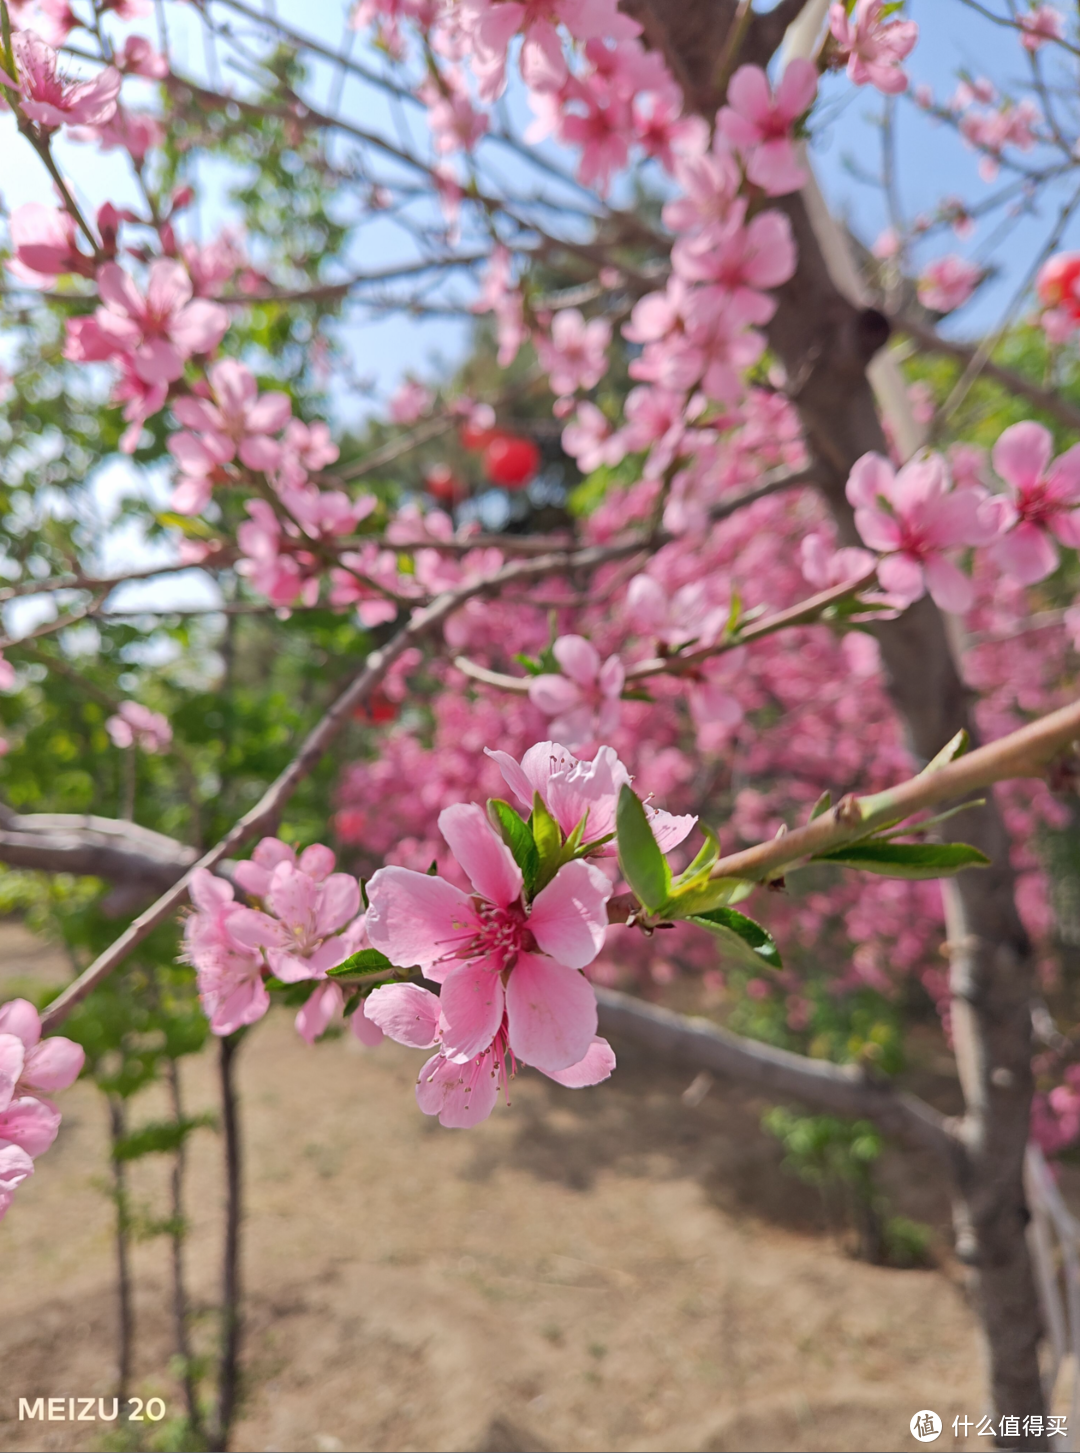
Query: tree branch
(98, 847)
(1047, 399)
(843, 1089)
(264, 815)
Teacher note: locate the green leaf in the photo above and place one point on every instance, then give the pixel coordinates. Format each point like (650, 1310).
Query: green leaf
(548, 839)
(529, 664)
(907, 860)
(822, 805)
(706, 857)
(740, 936)
(367, 961)
(643, 864)
(949, 753)
(517, 837)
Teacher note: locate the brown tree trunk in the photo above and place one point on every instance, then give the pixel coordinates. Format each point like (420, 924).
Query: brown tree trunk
(825, 344)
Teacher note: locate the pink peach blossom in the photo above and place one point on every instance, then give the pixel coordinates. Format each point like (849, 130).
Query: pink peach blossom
(946, 283)
(229, 973)
(577, 792)
(464, 1094)
(758, 124)
(872, 45)
(158, 330)
(306, 910)
(912, 518)
(1039, 25)
(584, 699)
(51, 99)
(136, 724)
(1043, 502)
(491, 952)
(574, 356)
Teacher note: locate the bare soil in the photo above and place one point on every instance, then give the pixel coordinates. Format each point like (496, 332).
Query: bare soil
(603, 1269)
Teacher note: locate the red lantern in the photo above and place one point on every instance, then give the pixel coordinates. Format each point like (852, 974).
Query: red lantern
(1058, 283)
(442, 484)
(511, 461)
(474, 436)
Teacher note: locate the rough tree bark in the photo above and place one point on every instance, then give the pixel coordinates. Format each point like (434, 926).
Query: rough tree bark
(825, 344)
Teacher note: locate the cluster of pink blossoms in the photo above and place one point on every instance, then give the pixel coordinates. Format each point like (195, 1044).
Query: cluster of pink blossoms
(309, 922)
(30, 1069)
(508, 963)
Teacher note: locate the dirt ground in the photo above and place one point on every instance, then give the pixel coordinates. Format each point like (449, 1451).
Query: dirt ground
(603, 1269)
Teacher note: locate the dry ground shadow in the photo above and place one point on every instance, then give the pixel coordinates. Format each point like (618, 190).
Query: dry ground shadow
(604, 1269)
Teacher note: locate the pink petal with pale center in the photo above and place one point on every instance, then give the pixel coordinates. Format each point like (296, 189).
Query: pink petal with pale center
(54, 1064)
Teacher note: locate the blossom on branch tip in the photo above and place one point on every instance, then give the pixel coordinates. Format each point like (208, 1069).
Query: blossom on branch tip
(51, 99)
(873, 45)
(1043, 502)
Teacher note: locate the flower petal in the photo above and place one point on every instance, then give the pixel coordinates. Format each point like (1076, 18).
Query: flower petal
(406, 1013)
(417, 919)
(569, 917)
(597, 1065)
(461, 1095)
(551, 1012)
(481, 852)
(471, 1010)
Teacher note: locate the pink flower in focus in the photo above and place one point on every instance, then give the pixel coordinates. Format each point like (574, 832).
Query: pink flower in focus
(492, 953)
(30, 1069)
(1040, 25)
(575, 791)
(134, 724)
(1043, 502)
(758, 124)
(912, 518)
(575, 355)
(585, 699)
(872, 45)
(52, 100)
(947, 283)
